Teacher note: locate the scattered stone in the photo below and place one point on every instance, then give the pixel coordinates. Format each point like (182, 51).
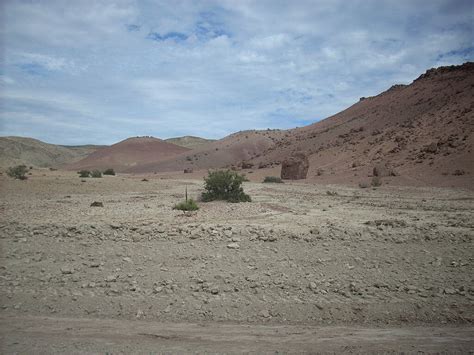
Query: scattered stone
(394, 223)
(450, 291)
(431, 148)
(233, 246)
(111, 278)
(67, 270)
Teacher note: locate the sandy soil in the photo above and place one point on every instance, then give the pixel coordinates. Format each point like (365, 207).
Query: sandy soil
(300, 255)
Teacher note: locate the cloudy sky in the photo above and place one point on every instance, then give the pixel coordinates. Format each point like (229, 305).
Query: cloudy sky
(75, 72)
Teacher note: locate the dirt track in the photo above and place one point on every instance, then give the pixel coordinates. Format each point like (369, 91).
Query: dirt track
(64, 335)
(299, 255)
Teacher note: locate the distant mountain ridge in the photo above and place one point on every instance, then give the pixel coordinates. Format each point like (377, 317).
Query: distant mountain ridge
(33, 152)
(190, 142)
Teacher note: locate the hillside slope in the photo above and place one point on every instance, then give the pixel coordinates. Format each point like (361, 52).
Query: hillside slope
(128, 153)
(33, 152)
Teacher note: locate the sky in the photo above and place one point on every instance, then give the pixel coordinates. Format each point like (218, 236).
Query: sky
(79, 72)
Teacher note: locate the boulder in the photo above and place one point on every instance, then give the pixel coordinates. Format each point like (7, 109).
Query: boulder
(295, 167)
(431, 148)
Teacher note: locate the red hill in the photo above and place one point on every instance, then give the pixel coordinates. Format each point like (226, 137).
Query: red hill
(128, 153)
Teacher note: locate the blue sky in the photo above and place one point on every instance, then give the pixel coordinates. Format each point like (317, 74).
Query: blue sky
(76, 72)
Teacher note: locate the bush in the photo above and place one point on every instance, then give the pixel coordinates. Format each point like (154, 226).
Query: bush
(96, 174)
(84, 173)
(273, 179)
(224, 185)
(376, 181)
(459, 172)
(18, 172)
(109, 172)
(189, 205)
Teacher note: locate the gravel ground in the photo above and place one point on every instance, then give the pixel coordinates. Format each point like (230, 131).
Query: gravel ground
(299, 254)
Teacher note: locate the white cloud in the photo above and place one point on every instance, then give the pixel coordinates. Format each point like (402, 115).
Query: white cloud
(123, 68)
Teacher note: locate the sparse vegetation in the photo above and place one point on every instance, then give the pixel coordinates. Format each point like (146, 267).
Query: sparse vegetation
(84, 173)
(185, 206)
(96, 174)
(224, 185)
(18, 172)
(376, 181)
(273, 179)
(109, 171)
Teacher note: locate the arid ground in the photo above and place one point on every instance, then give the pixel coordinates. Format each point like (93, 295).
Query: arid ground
(303, 267)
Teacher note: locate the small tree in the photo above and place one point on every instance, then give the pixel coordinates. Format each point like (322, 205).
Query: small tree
(224, 185)
(18, 172)
(84, 173)
(109, 171)
(96, 174)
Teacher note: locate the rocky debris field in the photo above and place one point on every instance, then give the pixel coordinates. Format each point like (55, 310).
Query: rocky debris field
(297, 254)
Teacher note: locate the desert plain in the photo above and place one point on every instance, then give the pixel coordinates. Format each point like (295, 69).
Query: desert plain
(304, 267)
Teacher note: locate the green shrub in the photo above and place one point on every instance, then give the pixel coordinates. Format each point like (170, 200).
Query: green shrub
(18, 172)
(109, 171)
(84, 173)
(273, 179)
(189, 205)
(376, 181)
(96, 174)
(224, 185)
